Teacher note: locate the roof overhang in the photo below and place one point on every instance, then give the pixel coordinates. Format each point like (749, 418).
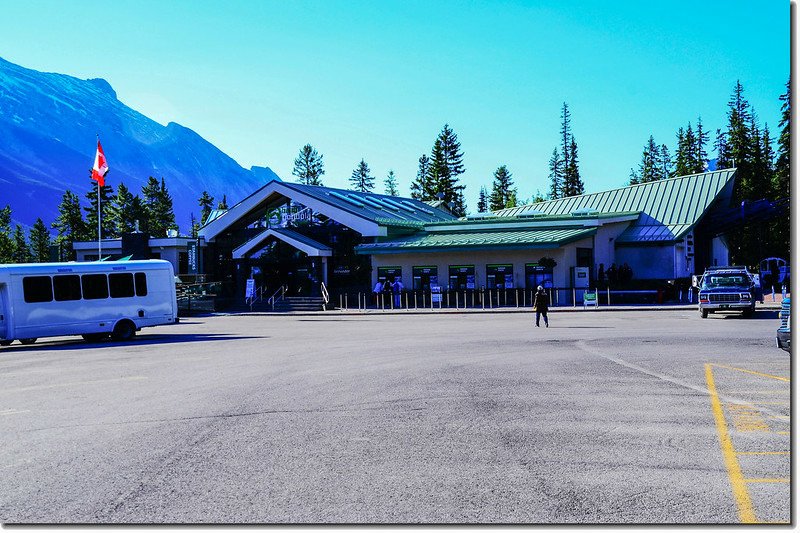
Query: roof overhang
(275, 193)
(306, 245)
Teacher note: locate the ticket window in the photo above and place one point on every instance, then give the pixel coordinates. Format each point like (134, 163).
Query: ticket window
(462, 277)
(389, 274)
(499, 276)
(536, 275)
(424, 277)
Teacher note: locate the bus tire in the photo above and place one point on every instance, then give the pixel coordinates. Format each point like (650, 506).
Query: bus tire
(94, 337)
(6, 342)
(124, 330)
(27, 341)
(704, 313)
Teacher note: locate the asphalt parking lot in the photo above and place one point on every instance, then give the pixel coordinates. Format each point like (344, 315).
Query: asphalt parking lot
(604, 417)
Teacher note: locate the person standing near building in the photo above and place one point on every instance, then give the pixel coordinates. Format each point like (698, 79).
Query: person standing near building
(376, 291)
(397, 289)
(540, 304)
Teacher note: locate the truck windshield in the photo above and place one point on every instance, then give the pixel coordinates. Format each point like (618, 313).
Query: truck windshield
(719, 281)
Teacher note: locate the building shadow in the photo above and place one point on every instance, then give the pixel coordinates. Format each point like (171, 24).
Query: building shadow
(139, 340)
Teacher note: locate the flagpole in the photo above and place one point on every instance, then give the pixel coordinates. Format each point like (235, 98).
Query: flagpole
(99, 239)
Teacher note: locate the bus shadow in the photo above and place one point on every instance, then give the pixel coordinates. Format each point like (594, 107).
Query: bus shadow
(761, 314)
(139, 340)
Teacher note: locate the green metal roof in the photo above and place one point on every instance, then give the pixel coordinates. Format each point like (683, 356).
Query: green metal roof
(652, 233)
(380, 208)
(681, 200)
(519, 239)
(529, 219)
(308, 241)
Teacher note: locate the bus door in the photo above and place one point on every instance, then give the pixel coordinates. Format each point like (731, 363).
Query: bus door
(4, 311)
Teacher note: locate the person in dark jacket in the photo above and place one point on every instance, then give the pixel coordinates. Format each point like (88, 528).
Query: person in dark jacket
(540, 304)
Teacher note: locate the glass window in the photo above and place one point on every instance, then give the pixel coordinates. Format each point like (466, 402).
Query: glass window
(37, 289)
(67, 288)
(499, 276)
(462, 277)
(121, 285)
(141, 283)
(95, 286)
(423, 277)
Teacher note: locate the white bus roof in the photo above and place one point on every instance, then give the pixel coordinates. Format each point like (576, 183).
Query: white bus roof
(87, 266)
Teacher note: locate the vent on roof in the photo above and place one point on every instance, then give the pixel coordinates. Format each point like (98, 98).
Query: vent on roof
(532, 213)
(585, 212)
(372, 202)
(479, 216)
(346, 199)
(396, 205)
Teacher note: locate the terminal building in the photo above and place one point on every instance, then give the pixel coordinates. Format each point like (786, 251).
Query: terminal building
(302, 235)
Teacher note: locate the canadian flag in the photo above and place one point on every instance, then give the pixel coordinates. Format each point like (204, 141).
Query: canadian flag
(100, 168)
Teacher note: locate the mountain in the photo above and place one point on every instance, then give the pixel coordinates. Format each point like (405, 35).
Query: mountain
(48, 128)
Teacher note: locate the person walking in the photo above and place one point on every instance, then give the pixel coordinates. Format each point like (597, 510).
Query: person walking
(397, 289)
(540, 304)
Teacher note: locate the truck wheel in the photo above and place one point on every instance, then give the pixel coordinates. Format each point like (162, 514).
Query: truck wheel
(93, 337)
(125, 330)
(704, 313)
(27, 341)
(747, 313)
(6, 343)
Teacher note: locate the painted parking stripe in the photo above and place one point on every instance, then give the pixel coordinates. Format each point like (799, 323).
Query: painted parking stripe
(741, 496)
(763, 453)
(751, 372)
(768, 480)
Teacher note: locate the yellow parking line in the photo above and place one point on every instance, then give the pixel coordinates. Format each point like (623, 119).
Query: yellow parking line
(780, 391)
(782, 432)
(768, 480)
(744, 504)
(763, 453)
(751, 372)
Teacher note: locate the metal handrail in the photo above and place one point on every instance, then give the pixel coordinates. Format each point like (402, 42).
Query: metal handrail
(272, 299)
(325, 296)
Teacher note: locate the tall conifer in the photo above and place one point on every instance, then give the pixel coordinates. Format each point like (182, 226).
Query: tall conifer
(361, 180)
(70, 225)
(308, 166)
(39, 239)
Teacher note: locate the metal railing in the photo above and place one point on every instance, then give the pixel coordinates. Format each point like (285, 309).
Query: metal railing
(325, 296)
(197, 296)
(278, 295)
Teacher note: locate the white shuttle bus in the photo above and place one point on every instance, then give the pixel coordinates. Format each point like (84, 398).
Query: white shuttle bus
(94, 299)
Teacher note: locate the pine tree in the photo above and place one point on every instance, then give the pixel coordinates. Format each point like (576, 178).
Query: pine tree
(682, 163)
(690, 148)
(360, 179)
(70, 225)
(780, 185)
(666, 167)
(565, 144)
(195, 225)
(634, 178)
(723, 151)
(224, 203)
(123, 211)
(556, 176)
(39, 239)
(446, 166)
(538, 197)
(573, 185)
(21, 254)
(158, 210)
(482, 205)
(502, 189)
(308, 166)
(422, 188)
(6, 240)
(206, 203)
(108, 222)
(648, 168)
(700, 154)
(390, 184)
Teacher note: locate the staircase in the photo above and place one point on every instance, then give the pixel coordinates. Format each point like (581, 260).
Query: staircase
(300, 303)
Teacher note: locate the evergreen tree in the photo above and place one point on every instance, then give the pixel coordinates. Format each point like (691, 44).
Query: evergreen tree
(556, 176)
(308, 166)
(70, 225)
(195, 225)
(502, 189)
(123, 211)
(683, 165)
(700, 155)
(666, 167)
(6, 240)
(723, 151)
(634, 178)
(390, 184)
(565, 144)
(649, 167)
(780, 185)
(423, 188)
(446, 166)
(573, 185)
(158, 210)
(360, 179)
(22, 254)
(39, 239)
(206, 203)
(482, 205)
(538, 197)
(108, 222)
(224, 203)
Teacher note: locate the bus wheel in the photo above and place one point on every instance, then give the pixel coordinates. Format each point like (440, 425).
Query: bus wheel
(27, 341)
(125, 330)
(704, 313)
(6, 343)
(93, 337)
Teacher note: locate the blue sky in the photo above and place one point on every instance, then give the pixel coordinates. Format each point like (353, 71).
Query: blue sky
(378, 80)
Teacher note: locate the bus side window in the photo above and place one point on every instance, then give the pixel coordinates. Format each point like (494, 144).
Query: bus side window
(121, 285)
(67, 288)
(95, 286)
(141, 284)
(37, 289)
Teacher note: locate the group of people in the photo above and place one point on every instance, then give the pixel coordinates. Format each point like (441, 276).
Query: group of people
(615, 274)
(393, 287)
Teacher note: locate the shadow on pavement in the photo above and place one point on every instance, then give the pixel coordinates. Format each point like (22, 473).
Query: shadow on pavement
(139, 340)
